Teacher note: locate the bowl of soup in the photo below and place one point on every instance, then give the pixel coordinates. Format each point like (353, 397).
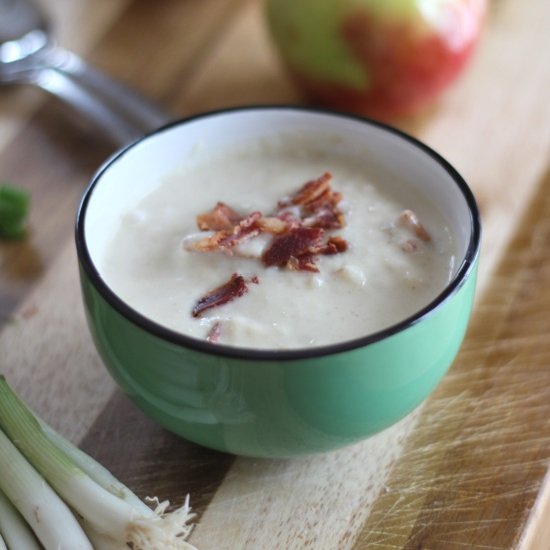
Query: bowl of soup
(277, 281)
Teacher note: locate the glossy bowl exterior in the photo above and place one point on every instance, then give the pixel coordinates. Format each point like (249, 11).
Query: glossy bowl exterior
(276, 408)
(269, 404)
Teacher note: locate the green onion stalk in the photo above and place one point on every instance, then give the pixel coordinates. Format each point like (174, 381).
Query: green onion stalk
(14, 531)
(47, 515)
(107, 510)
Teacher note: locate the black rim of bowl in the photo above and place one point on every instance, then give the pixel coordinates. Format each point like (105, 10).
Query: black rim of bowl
(279, 354)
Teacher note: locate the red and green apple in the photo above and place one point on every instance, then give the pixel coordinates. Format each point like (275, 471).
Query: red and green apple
(383, 58)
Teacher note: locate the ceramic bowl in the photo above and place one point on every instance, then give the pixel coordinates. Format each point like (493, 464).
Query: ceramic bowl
(275, 403)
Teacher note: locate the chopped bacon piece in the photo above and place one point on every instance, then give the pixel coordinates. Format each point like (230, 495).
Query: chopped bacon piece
(334, 245)
(247, 228)
(286, 249)
(273, 225)
(318, 203)
(234, 288)
(310, 191)
(304, 262)
(328, 197)
(327, 217)
(214, 334)
(227, 239)
(220, 217)
(290, 219)
(410, 219)
(208, 244)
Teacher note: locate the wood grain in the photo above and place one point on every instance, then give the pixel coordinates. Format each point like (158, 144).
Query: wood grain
(537, 531)
(242, 69)
(314, 502)
(158, 50)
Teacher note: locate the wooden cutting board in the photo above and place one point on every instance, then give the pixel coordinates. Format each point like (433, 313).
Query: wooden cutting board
(469, 469)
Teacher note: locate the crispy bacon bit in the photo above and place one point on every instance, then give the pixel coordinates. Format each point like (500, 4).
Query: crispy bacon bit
(334, 245)
(328, 197)
(228, 238)
(208, 244)
(309, 192)
(275, 225)
(286, 249)
(254, 279)
(305, 262)
(234, 288)
(318, 203)
(327, 217)
(410, 219)
(214, 334)
(290, 219)
(247, 228)
(220, 217)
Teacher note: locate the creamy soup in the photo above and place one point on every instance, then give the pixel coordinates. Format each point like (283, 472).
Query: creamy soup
(394, 252)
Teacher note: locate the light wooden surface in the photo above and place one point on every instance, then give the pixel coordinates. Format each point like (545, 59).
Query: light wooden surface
(467, 470)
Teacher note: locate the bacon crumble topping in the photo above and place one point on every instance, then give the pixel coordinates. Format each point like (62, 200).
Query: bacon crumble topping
(410, 219)
(219, 218)
(334, 245)
(234, 288)
(287, 249)
(226, 239)
(318, 203)
(298, 229)
(309, 192)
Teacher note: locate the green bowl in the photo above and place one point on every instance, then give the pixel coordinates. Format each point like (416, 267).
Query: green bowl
(275, 403)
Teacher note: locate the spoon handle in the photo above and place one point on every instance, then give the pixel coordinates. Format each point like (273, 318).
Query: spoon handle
(116, 109)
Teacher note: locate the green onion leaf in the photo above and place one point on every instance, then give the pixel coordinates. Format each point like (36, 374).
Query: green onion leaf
(14, 206)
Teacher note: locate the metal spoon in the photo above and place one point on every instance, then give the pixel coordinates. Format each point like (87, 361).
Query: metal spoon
(29, 56)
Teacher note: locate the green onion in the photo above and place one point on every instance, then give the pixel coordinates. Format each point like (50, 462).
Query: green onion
(14, 206)
(47, 515)
(16, 532)
(103, 503)
(94, 469)
(100, 541)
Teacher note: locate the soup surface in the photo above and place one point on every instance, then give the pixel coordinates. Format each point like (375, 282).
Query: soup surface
(277, 272)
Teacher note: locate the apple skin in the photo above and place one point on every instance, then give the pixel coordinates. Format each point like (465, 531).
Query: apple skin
(381, 58)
